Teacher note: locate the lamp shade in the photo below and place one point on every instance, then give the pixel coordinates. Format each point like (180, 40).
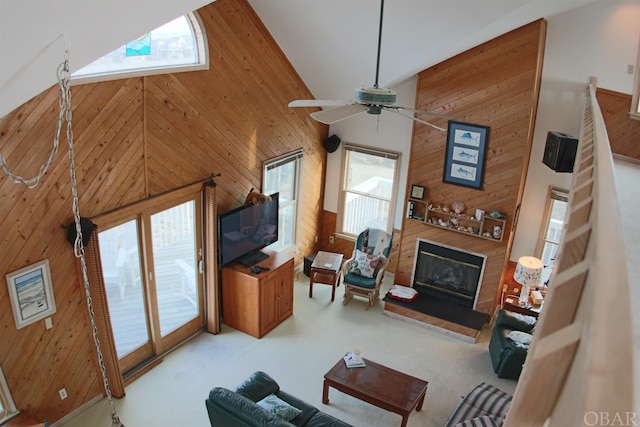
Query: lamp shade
(528, 271)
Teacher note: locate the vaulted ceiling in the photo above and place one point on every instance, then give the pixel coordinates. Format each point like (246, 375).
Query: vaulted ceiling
(331, 43)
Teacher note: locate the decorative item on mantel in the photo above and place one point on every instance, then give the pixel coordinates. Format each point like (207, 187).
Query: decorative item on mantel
(417, 192)
(457, 217)
(458, 207)
(497, 231)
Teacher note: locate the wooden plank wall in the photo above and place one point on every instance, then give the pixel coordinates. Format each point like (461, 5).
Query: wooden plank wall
(134, 138)
(495, 84)
(624, 132)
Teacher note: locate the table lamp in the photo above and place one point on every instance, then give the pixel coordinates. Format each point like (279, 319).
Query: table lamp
(528, 273)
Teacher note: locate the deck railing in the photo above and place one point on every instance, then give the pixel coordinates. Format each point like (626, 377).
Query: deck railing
(579, 369)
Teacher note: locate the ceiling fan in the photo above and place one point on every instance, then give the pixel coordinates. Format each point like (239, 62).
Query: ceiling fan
(372, 99)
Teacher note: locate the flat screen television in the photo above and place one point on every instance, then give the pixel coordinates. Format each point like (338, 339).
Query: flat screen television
(242, 232)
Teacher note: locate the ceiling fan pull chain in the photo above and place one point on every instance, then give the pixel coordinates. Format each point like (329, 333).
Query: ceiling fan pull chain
(65, 84)
(33, 182)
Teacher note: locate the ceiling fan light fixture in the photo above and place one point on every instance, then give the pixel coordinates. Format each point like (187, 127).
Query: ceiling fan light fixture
(373, 95)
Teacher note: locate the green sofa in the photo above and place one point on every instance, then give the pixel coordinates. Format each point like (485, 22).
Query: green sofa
(242, 407)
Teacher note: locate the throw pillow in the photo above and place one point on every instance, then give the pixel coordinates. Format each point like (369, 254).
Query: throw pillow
(364, 264)
(519, 337)
(381, 242)
(279, 407)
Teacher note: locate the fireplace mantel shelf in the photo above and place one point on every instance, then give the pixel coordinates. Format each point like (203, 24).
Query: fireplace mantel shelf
(481, 228)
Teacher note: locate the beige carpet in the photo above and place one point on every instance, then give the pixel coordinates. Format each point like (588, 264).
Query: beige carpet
(297, 354)
(303, 348)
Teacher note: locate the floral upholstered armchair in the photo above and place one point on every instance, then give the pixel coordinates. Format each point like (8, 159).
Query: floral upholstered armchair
(362, 273)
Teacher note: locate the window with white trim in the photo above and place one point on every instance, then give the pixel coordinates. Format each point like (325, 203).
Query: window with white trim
(283, 175)
(634, 111)
(368, 193)
(551, 230)
(179, 45)
(7, 407)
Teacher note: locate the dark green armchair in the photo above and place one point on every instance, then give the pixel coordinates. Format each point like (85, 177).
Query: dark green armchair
(509, 343)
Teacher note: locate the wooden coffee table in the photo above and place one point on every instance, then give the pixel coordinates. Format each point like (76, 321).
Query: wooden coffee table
(325, 269)
(378, 385)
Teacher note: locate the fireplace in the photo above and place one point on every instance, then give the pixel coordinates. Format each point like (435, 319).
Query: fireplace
(448, 283)
(448, 274)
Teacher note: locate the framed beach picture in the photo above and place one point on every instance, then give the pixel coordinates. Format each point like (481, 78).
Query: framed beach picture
(31, 293)
(465, 155)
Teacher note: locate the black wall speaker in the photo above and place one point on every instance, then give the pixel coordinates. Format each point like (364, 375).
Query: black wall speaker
(332, 143)
(560, 151)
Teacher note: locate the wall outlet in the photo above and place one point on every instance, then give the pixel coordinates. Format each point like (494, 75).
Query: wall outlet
(63, 393)
(331, 240)
(630, 69)
(48, 323)
(315, 240)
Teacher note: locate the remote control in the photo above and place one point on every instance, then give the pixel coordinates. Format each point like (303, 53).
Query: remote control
(261, 267)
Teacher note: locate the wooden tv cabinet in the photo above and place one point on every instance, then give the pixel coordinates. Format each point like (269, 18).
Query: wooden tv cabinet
(257, 303)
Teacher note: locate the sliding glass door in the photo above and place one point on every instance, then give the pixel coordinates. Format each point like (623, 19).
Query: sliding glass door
(121, 268)
(150, 262)
(175, 264)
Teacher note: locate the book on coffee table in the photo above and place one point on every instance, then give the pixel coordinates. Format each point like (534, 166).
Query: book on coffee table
(352, 362)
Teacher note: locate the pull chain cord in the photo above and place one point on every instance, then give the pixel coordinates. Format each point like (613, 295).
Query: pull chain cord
(64, 79)
(33, 182)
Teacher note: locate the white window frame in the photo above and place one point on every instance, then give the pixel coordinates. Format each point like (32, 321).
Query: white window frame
(8, 408)
(552, 195)
(296, 157)
(634, 110)
(200, 37)
(344, 192)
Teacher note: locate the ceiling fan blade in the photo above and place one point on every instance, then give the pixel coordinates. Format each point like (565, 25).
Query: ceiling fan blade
(416, 111)
(397, 111)
(334, 115)
(319, 103)
(371, 99)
